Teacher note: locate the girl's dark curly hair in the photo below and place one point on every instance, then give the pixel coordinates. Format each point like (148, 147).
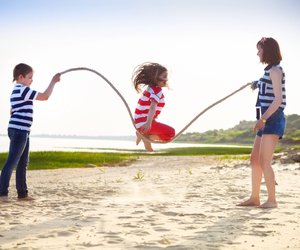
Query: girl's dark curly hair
(147, 74)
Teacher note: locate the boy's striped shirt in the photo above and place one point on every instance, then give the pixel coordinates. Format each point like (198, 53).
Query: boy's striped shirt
(21, 101)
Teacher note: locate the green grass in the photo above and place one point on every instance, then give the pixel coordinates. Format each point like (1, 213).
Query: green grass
(54, 160)
(60, 159)
(216, 150)
(190, 151)
(235, 157)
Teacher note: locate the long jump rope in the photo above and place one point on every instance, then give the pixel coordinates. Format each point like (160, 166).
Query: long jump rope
(130, 114)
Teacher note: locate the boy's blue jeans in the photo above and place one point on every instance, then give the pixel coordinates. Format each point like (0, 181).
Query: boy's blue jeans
(18, 155)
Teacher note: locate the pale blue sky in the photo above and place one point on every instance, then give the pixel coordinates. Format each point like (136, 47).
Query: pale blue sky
(208, 47)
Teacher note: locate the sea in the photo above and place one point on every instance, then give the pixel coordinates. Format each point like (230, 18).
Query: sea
(91, 144)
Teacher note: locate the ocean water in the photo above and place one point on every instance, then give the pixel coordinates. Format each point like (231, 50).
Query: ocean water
(97, 145)
(78, 144)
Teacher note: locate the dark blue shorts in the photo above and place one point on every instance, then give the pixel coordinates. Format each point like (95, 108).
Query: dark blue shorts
(275, 125)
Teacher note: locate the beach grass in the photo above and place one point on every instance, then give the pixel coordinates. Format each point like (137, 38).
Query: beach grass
(217, 150)
(61, 159)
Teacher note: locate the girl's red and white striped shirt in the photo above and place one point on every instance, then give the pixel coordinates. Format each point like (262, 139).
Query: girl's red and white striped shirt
(152, 93)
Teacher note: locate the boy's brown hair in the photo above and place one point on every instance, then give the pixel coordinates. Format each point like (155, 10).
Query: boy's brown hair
(21, 69)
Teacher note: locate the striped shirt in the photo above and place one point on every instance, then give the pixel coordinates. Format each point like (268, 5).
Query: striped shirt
(21, 101)
(266, 93)
(152, 93)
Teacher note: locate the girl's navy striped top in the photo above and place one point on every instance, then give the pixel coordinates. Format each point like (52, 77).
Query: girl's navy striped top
(266, 94)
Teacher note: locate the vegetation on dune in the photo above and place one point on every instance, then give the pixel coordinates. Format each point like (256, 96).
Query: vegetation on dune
(190, 151)
(243, 134)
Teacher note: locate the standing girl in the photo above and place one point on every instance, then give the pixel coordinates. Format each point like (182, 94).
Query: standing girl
(270, 125)
(21, 101)
(149, 106)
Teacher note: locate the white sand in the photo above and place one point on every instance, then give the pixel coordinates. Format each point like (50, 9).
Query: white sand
(180, 203)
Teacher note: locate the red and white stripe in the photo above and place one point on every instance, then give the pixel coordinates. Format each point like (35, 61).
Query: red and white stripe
(152, 93)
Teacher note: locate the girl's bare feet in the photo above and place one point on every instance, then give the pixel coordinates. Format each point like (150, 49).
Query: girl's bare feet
(269, 204)
(138, 138)
(154, 137)
(148, 146)
(250, 203)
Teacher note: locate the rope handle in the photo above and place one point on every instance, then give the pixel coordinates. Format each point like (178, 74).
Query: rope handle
(130, 114)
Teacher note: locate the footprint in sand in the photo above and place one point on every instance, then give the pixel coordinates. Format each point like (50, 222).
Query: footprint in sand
(161, 229)
(138, 212)
(170, 213)
(64, 233)
(15, 223)
(45, 236)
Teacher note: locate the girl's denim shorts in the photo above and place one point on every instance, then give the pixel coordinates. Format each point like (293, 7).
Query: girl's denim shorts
(275, 124)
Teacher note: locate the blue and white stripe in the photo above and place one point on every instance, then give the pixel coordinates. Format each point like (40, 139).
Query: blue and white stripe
(21, 101)
(266, 93)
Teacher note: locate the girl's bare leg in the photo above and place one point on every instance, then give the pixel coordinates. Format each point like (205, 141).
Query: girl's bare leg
(268, 145)
(254, 199)
(148, 145)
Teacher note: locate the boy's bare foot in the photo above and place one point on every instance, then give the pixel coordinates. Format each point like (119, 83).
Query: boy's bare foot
(4, 199)
(148, 146)
(250, 203)
(269, 204)
(28, 198)
(138, 138)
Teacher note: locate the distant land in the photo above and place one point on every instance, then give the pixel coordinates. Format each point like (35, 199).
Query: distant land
(121, 138)
(243, 134)
(104, 137)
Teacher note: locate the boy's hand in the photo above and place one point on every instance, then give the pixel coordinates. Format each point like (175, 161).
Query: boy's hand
(56, 78)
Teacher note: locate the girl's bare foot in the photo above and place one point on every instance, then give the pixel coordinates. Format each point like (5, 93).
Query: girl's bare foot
(250, 203)
(154, 137)
(148, 146)
(269, 204)
(138, 138)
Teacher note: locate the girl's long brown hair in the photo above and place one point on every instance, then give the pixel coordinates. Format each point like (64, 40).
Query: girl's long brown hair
(271, 50)
(147, 74)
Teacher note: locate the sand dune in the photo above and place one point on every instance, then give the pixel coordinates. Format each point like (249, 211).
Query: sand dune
(155, 203)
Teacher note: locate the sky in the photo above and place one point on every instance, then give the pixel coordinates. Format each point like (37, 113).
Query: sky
(208, 46)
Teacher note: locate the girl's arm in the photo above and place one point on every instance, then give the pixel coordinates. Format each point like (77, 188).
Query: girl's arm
(276, 78)
(47, 93)
(145, 128)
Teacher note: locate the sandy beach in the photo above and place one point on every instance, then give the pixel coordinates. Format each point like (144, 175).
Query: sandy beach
(153, 203)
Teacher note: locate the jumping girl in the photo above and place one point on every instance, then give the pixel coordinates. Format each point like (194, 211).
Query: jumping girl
(149, 106)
